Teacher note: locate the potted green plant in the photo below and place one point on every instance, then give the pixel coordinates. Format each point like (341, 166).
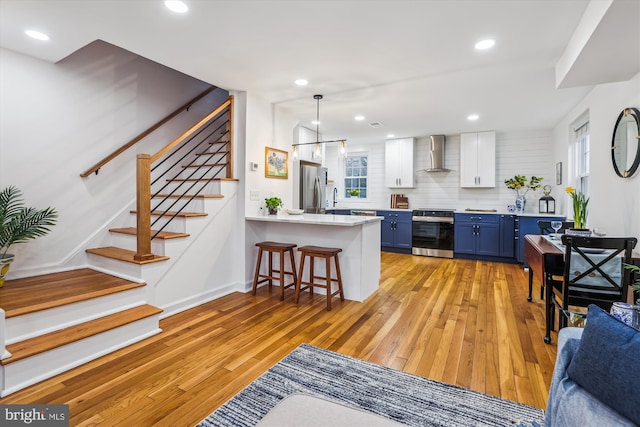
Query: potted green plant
(273, 203)
(354, 193)
(580, 211)
(19, 224)
(636, 286)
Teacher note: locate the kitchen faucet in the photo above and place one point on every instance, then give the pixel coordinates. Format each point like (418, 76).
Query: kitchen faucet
(335, 196)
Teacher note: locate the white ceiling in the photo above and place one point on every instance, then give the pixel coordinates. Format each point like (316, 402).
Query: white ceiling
(409, 64)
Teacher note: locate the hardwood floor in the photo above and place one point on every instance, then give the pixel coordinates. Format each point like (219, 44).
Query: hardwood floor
(458, 321)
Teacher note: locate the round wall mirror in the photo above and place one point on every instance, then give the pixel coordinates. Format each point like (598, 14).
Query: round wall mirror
(625, 145)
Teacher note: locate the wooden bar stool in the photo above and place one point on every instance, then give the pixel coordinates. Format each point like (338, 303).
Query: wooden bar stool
(314, 252)
(280, 248)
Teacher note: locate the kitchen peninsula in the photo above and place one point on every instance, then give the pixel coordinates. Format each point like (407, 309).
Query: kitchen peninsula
(357, 236)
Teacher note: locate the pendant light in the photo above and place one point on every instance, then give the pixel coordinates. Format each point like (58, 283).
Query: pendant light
(317, 150)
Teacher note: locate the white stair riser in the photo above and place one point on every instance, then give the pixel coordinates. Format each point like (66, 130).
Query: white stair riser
(129, 241)
(175, 205)
(20, 328)
(212, 187)
(177, 225)
(127, 269)
(23, 373)
(151, 272)
(206, 160)
(205, 171)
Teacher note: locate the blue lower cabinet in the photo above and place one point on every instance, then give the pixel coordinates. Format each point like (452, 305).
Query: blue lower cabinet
(508, 235)
(464, 241)
(486, 236)
(477, 234)
(395, 231)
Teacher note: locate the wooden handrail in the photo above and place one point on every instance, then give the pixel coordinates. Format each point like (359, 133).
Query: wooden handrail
(138, 138)
(190, 131)
(143, 176)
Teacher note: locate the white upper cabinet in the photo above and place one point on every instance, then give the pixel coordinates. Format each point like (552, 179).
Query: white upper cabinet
(398, 163)
(303, 135)
(478, 159)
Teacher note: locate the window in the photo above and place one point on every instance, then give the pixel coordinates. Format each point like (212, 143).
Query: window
(355, 175)
(582, 158)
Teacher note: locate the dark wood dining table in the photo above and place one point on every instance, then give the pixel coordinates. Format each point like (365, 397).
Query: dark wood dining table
(544, 257)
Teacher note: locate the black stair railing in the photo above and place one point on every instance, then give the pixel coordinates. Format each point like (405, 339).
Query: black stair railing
(202, 154)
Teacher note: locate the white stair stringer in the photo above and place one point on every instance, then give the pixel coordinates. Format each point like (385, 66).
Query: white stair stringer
(23, 373)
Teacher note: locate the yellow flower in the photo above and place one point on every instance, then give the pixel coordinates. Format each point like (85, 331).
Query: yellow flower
(570, 190)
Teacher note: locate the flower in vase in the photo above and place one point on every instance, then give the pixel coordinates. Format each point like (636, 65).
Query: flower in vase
(520, 183)
(580, 204)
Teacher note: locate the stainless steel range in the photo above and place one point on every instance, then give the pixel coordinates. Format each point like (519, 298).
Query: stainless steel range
(432, 232)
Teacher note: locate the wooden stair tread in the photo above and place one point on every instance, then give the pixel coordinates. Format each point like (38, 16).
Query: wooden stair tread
(188, 196)
(124, 255)
(36, 293)
(163, 235)
(42, 343)
(178, 215)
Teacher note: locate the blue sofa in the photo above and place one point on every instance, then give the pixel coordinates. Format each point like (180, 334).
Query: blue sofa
(596, 378)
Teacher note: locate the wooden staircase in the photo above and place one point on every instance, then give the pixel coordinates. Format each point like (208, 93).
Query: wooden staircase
(58, 321)
(54, 322)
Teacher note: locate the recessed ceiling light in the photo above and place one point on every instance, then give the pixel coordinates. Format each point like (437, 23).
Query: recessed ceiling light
(37, 35)
(301, 82)
(485, 44)
(359, 118)
(390, 135)
(473, 117)
(176, 6)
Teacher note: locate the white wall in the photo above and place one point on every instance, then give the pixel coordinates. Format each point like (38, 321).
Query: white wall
(57, 120)
(615, 202)
(523, 153)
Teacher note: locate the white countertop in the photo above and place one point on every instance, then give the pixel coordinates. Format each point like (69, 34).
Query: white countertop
(317, 219)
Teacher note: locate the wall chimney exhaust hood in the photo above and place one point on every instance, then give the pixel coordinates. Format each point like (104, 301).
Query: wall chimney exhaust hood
(436, 154)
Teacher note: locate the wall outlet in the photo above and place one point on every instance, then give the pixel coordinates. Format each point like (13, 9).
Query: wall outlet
(254, 195)
(254, 166)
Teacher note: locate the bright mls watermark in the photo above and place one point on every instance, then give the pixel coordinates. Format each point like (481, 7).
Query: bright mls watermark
(34, 415)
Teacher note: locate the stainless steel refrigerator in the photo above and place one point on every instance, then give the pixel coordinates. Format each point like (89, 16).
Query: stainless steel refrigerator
(313, 187)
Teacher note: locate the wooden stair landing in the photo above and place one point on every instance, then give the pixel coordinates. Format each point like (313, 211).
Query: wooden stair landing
(42, 343)
(31, 294)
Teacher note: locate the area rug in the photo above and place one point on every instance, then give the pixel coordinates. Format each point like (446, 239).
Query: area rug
(402, 397)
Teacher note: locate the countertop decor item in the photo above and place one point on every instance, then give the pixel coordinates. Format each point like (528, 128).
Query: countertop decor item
(353, 193)
(580, 208)
(522, 187)
(19, 224)
(273, 203)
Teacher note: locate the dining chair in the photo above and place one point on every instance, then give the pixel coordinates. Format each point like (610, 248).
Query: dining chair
(593, 273)
(545, 229)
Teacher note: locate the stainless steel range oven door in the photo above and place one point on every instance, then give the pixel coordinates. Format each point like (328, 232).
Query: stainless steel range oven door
(432, 236)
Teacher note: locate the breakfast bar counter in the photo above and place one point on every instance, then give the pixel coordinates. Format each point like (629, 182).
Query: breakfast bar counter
(357, 236)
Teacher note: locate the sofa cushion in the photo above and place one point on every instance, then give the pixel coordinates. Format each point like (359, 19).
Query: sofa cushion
(606, 363)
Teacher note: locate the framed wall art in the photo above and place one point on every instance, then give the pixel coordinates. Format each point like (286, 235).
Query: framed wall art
(276, 163)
